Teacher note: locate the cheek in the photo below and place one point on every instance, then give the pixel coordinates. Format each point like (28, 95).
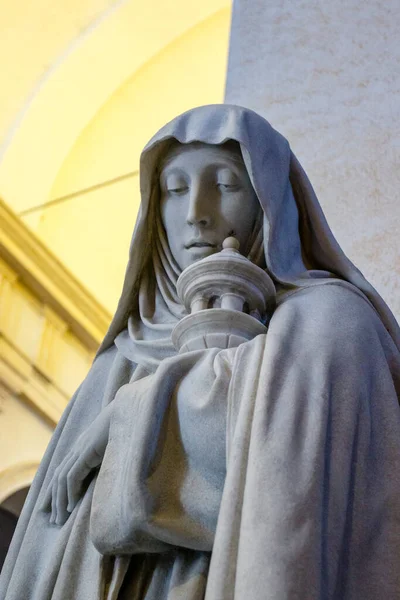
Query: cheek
(240, 212)
(165, 210)
(171, 219)
(173, 210)
(168, 218)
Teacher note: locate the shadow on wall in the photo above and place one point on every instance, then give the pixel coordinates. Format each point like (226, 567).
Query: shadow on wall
(10, 510)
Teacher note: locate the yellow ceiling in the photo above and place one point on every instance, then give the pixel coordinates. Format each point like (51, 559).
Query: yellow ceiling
(95, 81)
(33, 36)
(55, 87)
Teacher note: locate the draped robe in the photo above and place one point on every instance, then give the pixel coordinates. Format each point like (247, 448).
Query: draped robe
(267, 471)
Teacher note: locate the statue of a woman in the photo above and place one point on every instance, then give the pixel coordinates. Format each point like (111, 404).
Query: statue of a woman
(267, 470)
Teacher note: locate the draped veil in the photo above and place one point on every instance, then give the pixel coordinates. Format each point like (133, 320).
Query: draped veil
(299, 247)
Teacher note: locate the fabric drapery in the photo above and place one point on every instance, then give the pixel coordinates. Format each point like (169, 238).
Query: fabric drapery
(266, 471)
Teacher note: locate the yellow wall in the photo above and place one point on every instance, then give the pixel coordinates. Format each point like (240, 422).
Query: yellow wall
(32, 34)
(90, 232)
(24, 438)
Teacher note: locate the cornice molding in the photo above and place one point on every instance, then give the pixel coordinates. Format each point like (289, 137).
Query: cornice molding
(50, 281)
(29, 385)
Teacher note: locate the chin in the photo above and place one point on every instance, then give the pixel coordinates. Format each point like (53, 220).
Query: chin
(194, 255)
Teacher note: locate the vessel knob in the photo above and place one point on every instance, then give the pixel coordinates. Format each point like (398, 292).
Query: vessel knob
(231, 243)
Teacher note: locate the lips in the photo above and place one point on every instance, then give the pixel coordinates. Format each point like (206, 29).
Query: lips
(199, 244)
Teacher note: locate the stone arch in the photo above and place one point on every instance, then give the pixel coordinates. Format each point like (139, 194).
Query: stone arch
(16, 478)
(14, 488)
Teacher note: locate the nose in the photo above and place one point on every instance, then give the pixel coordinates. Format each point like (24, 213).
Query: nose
(198, 209)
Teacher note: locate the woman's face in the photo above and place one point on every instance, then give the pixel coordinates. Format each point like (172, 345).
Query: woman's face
(206, 196)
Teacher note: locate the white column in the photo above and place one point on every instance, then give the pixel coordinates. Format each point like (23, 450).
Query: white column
(327, 76)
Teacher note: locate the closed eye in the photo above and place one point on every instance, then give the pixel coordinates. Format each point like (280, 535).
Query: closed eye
(178, 190)
(227, 186)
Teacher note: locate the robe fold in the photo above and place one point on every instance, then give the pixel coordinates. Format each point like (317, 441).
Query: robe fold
(266, 471)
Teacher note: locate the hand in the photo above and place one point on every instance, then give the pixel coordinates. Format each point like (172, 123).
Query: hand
(65, 488)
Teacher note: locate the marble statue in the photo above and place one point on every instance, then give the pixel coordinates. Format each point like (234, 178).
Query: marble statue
(238, 435)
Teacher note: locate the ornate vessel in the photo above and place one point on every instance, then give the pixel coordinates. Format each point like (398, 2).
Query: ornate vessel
(228, 297)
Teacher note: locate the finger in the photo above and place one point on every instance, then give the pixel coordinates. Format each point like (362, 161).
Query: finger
(48, 497)
(61, 499)
(88, 461)
(75, 477)
(53, 499)
(93, 457)
(54, 489)
(46, 503)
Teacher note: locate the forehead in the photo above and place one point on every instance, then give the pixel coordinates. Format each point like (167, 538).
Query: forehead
(199, 155)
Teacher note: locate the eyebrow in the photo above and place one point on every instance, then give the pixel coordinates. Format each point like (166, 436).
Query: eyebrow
(224, 165)
(171, 171)
(228, 163)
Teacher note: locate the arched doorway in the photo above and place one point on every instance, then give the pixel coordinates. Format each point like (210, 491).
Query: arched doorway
(10, 509)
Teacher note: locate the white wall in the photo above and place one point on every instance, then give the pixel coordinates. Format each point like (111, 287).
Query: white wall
(327, 76)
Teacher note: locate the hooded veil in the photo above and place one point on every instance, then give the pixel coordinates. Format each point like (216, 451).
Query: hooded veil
(300, 249)
(301, 254)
